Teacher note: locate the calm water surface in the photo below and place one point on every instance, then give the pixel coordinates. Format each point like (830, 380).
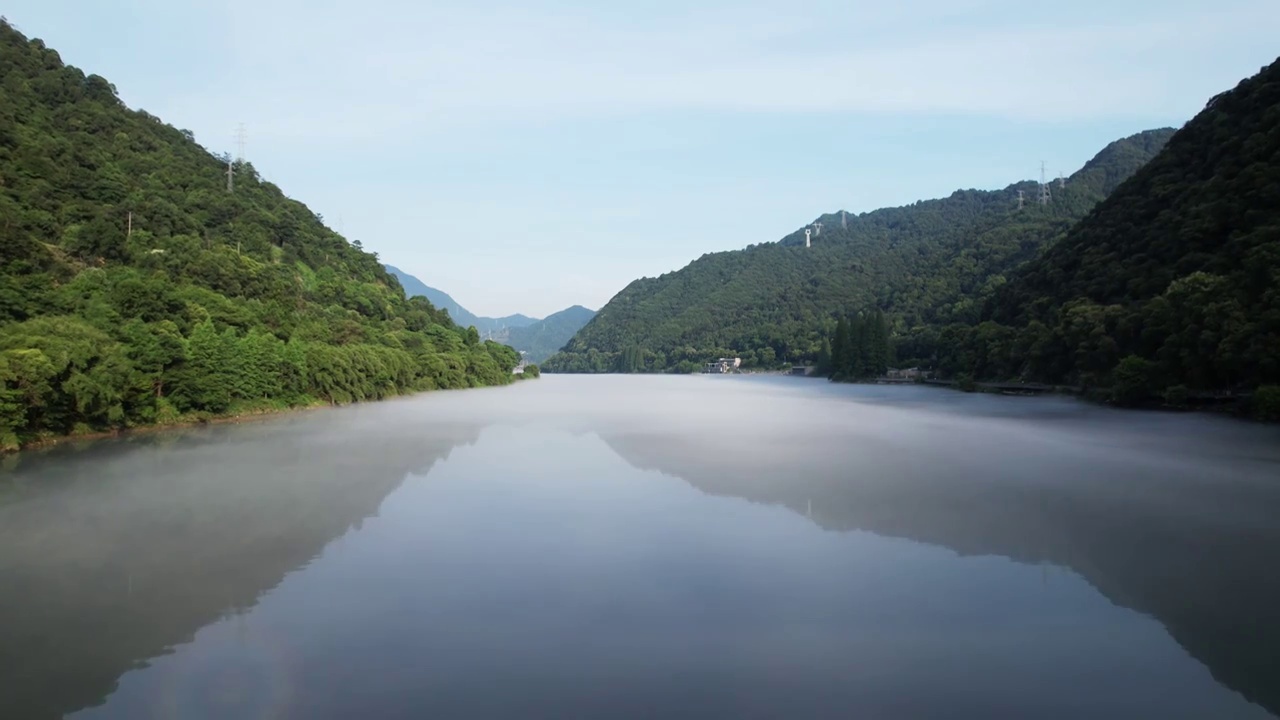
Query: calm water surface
(651, 547)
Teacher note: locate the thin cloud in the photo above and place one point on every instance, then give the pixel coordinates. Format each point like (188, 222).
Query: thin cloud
(380, 69)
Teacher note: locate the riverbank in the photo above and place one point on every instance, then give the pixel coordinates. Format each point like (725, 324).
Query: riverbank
(243, 411)
(238, 413)
(1261, 405)
(249, 412)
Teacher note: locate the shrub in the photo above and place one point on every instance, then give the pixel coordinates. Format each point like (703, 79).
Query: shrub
(1266, 403)
(1176, 395)
(1131, 383)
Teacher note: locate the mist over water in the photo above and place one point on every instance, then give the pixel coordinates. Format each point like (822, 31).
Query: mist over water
(651, 547)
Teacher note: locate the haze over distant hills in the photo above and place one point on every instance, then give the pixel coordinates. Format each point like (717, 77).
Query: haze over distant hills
(462, 316)
(544, 338)
(538, 339)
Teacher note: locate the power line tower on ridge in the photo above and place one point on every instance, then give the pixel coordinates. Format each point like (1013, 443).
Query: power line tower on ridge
(1044, 186)
(241, 136)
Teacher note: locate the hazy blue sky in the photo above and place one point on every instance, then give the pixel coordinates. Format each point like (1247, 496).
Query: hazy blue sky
(527, 156)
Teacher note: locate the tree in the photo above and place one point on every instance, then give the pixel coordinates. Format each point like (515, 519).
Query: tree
(842, 349)
(1132, 384)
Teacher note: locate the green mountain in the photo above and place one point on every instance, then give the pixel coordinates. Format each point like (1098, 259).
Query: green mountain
(923, 264)
(546, 336)
(464, 318)
(136, 288)
(1171, 285)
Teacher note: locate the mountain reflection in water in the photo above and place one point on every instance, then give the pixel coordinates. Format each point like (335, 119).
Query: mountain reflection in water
(582, 546)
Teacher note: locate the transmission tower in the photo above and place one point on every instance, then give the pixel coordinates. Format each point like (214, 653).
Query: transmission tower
(844, 220)
(241, 136)
(1021, 198)
(817, 229)
(1044, 186)
(1062, 181)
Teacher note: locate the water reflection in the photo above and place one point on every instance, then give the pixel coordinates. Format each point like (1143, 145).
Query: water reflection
(1187, 541)
(643, 547)
(112, 553)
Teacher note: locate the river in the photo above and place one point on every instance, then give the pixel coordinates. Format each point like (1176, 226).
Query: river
(627, 546)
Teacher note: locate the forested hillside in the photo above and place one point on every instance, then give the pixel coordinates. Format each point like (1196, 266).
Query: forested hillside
(923, 264)
(136, 289)
(1171, 285)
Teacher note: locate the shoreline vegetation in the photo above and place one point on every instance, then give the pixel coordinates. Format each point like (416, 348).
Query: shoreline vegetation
(246, 412)
(1261, 405)
(194, 420)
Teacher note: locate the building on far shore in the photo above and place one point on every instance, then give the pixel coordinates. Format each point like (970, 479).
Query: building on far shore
(914, 373)
(722, 365)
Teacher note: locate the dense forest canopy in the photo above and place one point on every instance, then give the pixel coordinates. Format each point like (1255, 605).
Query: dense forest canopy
(1171, 285)
(136, 289)
(925, 264)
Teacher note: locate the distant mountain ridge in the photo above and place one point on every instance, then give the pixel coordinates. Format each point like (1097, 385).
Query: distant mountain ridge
(544, 338)
(463, 317)
(538, 339)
